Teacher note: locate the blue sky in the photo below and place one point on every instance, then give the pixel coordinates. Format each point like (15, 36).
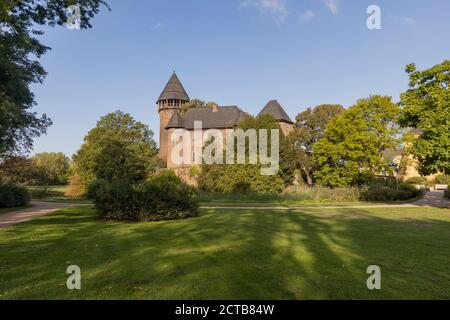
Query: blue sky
(233, 52)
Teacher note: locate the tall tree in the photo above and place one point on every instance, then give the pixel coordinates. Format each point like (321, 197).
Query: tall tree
(118, 146)
(355, 141)
(18, 45)
(18, 171)
(426, 106)
(53, 167)
(308, 129)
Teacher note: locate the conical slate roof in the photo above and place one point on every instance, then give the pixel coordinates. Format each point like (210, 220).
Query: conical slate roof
(175, 122)
(274, 108)
(174, 90)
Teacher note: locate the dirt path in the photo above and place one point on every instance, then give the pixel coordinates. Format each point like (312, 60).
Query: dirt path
(37, 209)
(434, 199)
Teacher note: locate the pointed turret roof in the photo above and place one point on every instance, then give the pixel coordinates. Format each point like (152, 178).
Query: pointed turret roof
(174, 90)
(175, 122)
(275, 109)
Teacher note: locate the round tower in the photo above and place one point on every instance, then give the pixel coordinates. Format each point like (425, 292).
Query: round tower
(172, 98)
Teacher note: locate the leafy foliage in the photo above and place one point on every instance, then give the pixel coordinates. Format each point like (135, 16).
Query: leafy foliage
(195, 103)
(308, 129)
(18, 44)
(388, 193)
(163, 197)
(53, 168)
(425, 106)
(13, 196)
(247, 177)
(18, 171)
(77, 188)
(118, 147)
(416, 181)
(442, 179)
(354, 142)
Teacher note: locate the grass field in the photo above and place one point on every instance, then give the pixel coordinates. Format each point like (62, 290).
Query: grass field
(57, 194)
(231, 254)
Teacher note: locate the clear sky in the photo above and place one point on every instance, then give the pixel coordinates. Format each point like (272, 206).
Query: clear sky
(233, 52)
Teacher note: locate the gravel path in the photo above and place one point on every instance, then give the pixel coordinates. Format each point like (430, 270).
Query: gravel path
(37, 209)
(434, 199)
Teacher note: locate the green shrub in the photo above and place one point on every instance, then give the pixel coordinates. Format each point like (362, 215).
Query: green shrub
(13, 196)
(387, 193)
(322, 193)
(164, 197)
(115, 200)
(416, 181)
(442, 179)
(292, 195)
(447, 193)
(238, 178)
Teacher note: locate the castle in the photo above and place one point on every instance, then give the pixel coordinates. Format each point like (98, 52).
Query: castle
(174, 97)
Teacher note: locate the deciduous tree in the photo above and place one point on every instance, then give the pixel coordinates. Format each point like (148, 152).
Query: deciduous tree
(18, 69)
(53, 167)
(118, 146)
(426, 106)
(355, 140)
(308, 129)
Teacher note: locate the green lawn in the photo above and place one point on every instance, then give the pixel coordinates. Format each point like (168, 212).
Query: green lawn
(231, 254)
(53, 194)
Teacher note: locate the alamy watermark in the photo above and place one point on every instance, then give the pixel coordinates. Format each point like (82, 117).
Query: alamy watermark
(374, 19)
(73, 17)
(74, 280)
(207, 146)
(374, 281)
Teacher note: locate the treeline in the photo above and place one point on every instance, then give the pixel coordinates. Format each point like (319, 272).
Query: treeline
(362, 145)
(43, 169)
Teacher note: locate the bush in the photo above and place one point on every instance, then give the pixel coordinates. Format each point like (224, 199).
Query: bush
(238, 179)
(442, 179)
(13, 196)
(292, 195)
(324, 193)
(387, 193)
(447, 193)
(164, 197)
(115, 200)
(77, 188)
(416, 181)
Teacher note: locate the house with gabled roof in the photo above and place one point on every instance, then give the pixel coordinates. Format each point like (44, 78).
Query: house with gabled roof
(174, 97)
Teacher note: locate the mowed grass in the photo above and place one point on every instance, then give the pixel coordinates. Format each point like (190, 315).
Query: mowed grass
(231, 254)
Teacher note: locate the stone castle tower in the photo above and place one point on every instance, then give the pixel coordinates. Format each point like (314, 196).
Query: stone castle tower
(172, 98)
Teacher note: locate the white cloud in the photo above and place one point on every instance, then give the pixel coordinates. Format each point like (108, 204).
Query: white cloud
(332, 6)
(307, 15)
(278, 8)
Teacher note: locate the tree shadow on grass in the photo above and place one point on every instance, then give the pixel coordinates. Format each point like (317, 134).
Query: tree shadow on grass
(245, 254)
